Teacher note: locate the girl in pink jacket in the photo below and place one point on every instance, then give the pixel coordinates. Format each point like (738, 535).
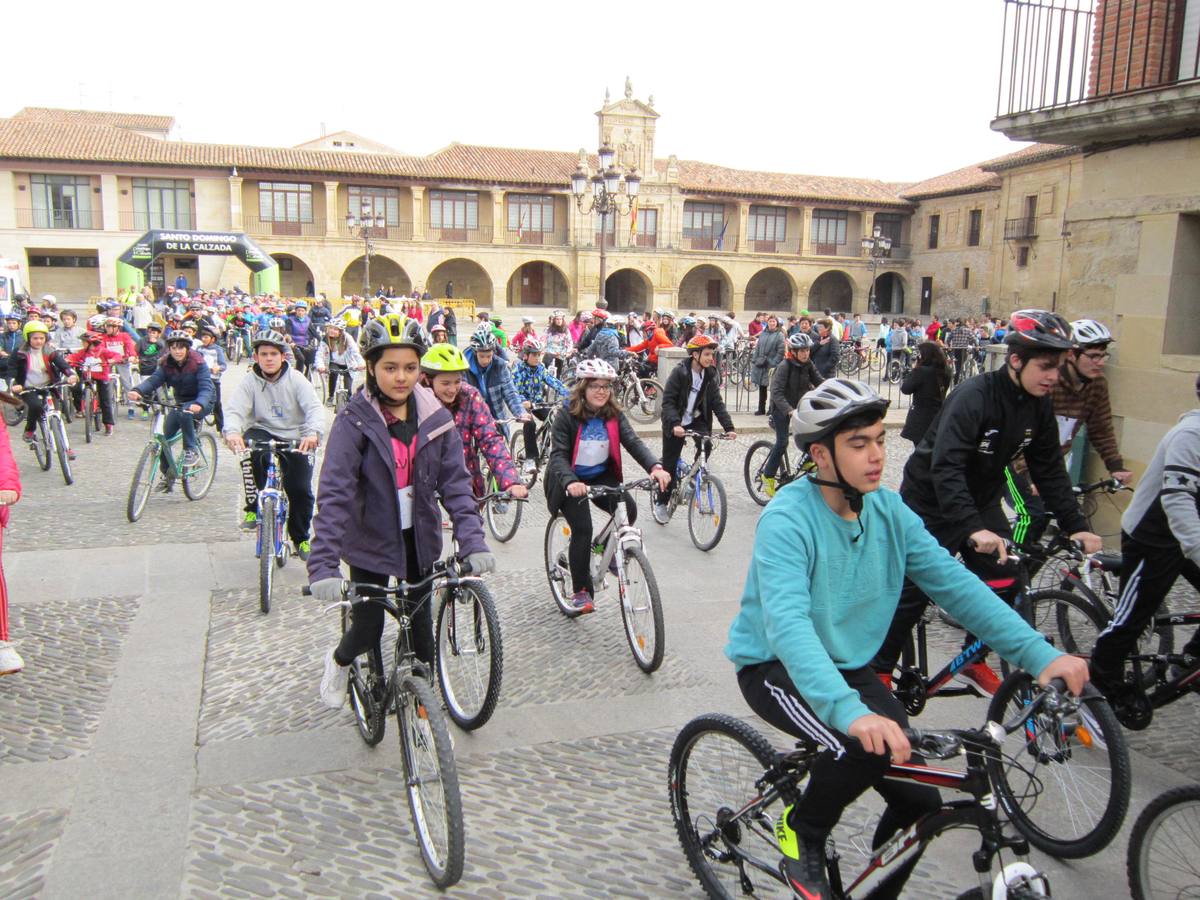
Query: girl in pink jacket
(10, 493)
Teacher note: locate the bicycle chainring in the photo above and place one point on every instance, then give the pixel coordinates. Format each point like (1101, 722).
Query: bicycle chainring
(1133, 709)
(912, 691)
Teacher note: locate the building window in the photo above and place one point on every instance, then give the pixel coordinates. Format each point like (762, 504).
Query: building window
(282, 201)
(162, 203)
(935, 223)
(974, 227)
(647, 228)
(64, 262)
(62, 201)
(369, 202)
(767, 223)
(1022, 257)
(457, 210)
(530, 213)
(966, 278)
(891, 226)
(829, 229)
(703, 220)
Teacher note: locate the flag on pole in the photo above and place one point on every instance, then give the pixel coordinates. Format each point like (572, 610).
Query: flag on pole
(633, 217)
(721, 236)
(521, 225)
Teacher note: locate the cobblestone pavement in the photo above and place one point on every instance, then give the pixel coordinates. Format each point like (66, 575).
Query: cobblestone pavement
(564, 790)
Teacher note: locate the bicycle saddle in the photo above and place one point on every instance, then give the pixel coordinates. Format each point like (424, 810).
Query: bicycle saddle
(1109, 562)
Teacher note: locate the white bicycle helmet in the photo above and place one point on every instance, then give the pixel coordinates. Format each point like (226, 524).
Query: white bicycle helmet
(595, 368)
(824, 408)
(1088, 332)
(799, 341)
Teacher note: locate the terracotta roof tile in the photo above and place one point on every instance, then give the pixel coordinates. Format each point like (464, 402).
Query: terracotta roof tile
(1027, 155)
(700, 177)
(137, 121)
(982, 176)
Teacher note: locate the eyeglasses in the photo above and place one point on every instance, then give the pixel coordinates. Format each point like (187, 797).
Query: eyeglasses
(598, 386)
(1098, 355)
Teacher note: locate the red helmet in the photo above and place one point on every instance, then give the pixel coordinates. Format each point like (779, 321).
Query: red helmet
(92, 337)
(599, 314)
(1038, 329)
(699, 342)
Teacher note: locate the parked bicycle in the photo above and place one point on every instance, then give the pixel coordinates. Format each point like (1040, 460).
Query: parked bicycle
(166, 455)
(426, 751)
(49, 440)
(620, 544)
(756, 459)
(728, 787)
(640, 397)
(900, 364)
(1164, 847)
(271, 545)
(701, 491)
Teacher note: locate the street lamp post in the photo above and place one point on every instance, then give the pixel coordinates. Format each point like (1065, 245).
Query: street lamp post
(607, 198)
(362, 224)
(878, 246)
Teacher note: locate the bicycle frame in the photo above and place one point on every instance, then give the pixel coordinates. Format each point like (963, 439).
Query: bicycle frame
(625, 534)
(271, 488)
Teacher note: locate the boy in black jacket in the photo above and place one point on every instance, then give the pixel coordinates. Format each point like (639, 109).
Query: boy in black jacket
(690, 398)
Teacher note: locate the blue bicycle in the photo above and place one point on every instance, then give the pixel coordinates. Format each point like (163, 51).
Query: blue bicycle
(701, 491)
(270, 542)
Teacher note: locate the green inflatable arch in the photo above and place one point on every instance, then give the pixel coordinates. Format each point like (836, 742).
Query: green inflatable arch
(134, 263)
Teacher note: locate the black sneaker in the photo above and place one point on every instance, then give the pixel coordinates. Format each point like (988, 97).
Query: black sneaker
(803, 863)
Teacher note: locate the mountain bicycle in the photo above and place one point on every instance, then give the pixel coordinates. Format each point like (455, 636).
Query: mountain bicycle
(341, 393)
(426, 751)
(701, 491)
(640, 397)
(501, 512)
(165, 455)
(756, 459)
(852, 359)
(617, 546)
(516, 443)
(728, 787)
(1164, 847)
(90, 408)
(1087, 767)
(900, 364)
(271, 546)
(1087, 497)
(50, 436)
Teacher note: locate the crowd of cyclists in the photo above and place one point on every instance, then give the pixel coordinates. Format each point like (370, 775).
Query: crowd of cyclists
(841, 568)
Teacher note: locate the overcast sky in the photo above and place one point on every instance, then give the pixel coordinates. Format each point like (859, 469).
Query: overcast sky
(872, 88)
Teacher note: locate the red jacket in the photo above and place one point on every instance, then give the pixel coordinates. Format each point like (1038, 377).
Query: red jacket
(95, 364)
(10, 479)
(122, 345)
(658, 338)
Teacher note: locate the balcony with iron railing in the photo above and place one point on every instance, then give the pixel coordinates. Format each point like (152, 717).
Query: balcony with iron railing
(481, 234)
(131, 220)
(1082, 72)
(530, 237)
(67, 219)
(789, 246)
(1022, 229)
(828, 248)
(253, 224)
(710, 242)
(400, 231)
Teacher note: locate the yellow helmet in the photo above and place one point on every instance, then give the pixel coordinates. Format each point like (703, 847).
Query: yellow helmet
(443, 358)
(31, 327)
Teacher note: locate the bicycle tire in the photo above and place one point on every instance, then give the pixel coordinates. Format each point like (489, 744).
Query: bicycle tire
(266, 552)
(366, 690)
(1041, 742)
(895, 372)
(13, 414)
(41, 446)
(476, 651)
(88, 427)
(700, 791)
(1068, 620)
(65, 404)
(1178, 856)
(647, 410)
(847, 362)
(556, 542)
(503, 517)
(143, 477)
(712, 493)
(97, 414)
(516, 450)
(756, 458)
(340, 399)
(1163, 635)
(637, 618)
(59, 431)
(196, 487)
(430, 766)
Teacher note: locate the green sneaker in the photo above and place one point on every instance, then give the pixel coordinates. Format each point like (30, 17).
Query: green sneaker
(768, 484)
(250, 522)
(303, 549)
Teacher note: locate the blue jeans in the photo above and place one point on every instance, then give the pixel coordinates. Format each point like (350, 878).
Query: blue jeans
(781, 439)
(177, 420)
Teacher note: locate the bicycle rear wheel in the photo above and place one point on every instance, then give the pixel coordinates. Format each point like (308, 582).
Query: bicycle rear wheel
(756, 458)
(470, 655)
(13, 413)
(65, 403)
(88, 429)
(41, 445)
(503, 516)
(1068, 620)
(266, 553)
(367, 688)
(706, 512)
(641, 610)
(59, 432)
(142, 483)
(644, 407)
(516, 450)
(1063, 784)
(200, 477)
(715, 762)
(556, 545)
(431, 777)
(1164, 847)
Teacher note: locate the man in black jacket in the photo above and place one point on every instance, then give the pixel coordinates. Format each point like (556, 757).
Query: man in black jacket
(793, 378)
(690, 398)
(956, 475)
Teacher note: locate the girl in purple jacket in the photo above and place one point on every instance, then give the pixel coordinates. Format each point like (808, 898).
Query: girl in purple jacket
(392, 453)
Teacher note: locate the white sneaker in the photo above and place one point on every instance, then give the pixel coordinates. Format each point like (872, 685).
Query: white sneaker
(662, 513)
(333, 683)
(10, 660)
(530, 467)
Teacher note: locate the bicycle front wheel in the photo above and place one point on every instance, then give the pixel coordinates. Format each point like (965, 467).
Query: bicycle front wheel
(756, 458)
(715, 762)
(503, 518)
(87, 415)
(41, 446)
(643, 400)
(516, 450)
(470, 656)
(199, 478)
(1064, 783)
(1164, 847)
(59, 432)
(431, 777)
(706, 512)
(557, 545)
(142, 483)
(367, 689)
(641, 610)
(266, 552)
(1068, 620)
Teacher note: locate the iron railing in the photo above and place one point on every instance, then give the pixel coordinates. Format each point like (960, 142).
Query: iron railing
(480, 235)
(827, 248)
(253, 224)
(527, 236)
(1057, 53)
(86, 219)
(401, 231)
(131, 220)
(789, 246)
(1022, 229)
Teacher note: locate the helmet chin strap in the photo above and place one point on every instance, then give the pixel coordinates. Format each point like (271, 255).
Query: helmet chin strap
(854, 497)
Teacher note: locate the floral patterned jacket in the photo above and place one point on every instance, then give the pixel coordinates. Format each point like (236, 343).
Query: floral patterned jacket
(479, 435)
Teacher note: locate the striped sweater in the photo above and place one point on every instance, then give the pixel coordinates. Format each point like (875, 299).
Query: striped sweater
(1077, 402)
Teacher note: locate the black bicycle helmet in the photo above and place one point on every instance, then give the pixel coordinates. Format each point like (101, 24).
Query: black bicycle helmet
(1038, 329)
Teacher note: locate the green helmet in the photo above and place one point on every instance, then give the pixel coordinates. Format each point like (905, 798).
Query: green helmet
(443, 358)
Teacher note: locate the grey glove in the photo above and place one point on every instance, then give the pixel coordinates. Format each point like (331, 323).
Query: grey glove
(327, 590)
(480, 563)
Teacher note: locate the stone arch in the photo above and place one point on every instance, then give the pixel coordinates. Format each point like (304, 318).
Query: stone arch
(890, 289)
(295, 276)
(833, 290)
(705, 287)
(471, 281)
(770, 289)
(385, 272)
(628, 290)
(538, 283)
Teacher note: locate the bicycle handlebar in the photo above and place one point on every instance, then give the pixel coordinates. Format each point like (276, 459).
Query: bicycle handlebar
(288, 446)
(1106, 485)
(602, 490)
(353, 591)
(724, 436)
(500, 495)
